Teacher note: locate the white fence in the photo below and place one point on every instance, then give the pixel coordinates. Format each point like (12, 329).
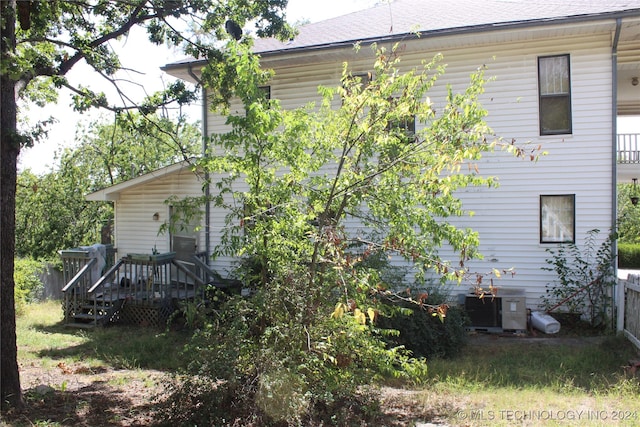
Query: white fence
(631, 308)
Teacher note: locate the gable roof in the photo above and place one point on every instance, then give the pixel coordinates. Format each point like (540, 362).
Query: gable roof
(397, 19)
(113, 192)
(401, 18)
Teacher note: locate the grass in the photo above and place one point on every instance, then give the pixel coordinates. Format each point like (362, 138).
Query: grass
(42, 335)
(528, 382)
(501, 382)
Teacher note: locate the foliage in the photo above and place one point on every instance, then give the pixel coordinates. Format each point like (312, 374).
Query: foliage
(628, 255)
(51, 210)
(132, 145)
(419, 327)
(55, 36)
(628, 218)
(51, 214)
(29, 288)
(261, 357)
(585, 277)
(309, 336)
(41, 42)
(425, 334)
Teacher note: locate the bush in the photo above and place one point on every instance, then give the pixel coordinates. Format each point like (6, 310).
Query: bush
(274, 359)
(628, 255)
(29, 287)
(424, 333)
(585, 276)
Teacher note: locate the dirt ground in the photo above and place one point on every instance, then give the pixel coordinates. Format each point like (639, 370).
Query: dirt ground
(77, 395)
(81, 396)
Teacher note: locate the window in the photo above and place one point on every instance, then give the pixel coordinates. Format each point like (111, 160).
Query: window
(359, 79)
(355, 83)
(404, 127)
(554, 86)
(266, 92)
(558, 218)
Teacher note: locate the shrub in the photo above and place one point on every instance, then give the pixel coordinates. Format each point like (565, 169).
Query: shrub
(628, 255)
(584, 278)
(425, 334)
(29, 287)
(261, 359)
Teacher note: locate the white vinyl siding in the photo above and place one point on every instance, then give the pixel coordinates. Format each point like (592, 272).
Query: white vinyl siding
(136, 230)
(507, 218)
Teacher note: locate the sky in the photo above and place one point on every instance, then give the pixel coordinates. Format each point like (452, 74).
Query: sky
(138, 54)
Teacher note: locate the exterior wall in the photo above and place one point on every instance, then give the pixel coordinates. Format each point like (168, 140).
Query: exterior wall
(135, 229)
(507, 218)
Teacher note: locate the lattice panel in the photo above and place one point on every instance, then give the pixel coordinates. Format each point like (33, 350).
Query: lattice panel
(144, 315)
(70, 308)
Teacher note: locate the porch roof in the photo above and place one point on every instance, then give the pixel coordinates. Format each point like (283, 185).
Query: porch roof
(113, 192)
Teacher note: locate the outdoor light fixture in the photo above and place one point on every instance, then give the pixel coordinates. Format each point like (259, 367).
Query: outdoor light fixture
(156, 216)
(634, 192)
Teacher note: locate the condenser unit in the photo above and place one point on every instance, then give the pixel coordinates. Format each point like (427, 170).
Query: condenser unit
(507, 311)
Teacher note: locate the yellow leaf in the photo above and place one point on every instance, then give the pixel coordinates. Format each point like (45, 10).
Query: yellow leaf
(338, 312)
(372, 314)
(359, 316)
(496, 272)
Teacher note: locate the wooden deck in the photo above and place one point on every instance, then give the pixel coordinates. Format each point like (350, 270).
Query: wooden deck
(142, 289)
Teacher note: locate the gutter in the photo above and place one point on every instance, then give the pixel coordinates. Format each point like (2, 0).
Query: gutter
(207, 187)
(618, 294)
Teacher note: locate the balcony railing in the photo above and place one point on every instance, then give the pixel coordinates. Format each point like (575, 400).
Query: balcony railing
(629, 148)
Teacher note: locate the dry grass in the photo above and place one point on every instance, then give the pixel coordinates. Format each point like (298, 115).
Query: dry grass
(108, 377)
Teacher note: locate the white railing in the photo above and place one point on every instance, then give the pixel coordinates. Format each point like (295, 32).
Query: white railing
(628, 148)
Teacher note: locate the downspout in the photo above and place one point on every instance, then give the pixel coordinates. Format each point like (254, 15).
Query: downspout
(207, 188)
(618, 294)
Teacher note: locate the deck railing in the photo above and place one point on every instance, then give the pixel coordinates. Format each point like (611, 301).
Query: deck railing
(147, 285)
(629, 148)
(81, 267)
(138, 288)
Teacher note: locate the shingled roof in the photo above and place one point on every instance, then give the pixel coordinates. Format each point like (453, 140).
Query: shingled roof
(399, 18)
(396, 19)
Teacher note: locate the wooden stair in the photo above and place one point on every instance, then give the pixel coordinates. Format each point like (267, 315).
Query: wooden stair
(98, 311)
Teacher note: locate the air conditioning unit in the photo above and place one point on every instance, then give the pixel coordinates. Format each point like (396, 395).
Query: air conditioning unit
(507, 311)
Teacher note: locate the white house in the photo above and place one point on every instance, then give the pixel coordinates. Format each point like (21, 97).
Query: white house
(564, 71)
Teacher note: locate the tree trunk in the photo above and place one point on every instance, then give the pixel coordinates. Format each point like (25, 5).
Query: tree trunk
(10, 390)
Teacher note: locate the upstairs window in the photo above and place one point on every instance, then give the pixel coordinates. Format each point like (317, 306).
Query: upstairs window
(558, 218)
(404, 129)
(554, 86)
(356, 83)
(266, 92)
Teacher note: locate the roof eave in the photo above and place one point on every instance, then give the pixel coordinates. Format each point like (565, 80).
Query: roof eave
(431, 33)
(113, 192)
(457, 31)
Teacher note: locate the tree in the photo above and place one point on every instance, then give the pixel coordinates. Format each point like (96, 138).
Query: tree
(313, 195)
(628, 219)
(51, 211)
(51, 39)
